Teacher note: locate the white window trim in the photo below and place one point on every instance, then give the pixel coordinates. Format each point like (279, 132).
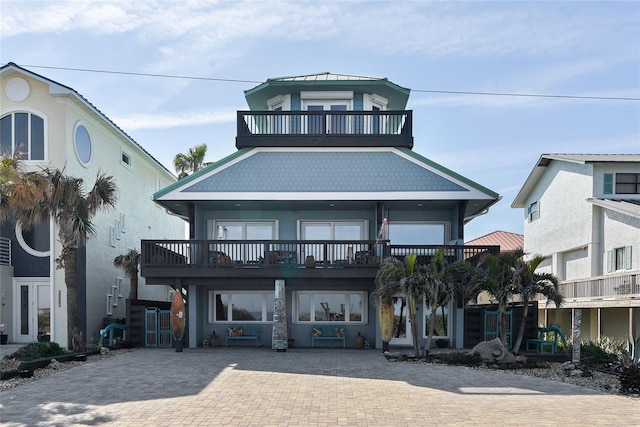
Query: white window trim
(75, 147)
(28, 249)
(361, 222)
(343, 95)
(371, 100)
(212, 226)
(283, 101)
(45, 125)
(313, 294)
(122, 222)
(125, 164)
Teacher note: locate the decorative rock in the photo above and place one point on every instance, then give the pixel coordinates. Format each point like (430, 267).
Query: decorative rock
(493, 351)
(104, 350)
(522, 359)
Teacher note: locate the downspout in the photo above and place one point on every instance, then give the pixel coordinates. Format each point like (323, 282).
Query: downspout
(52, 290)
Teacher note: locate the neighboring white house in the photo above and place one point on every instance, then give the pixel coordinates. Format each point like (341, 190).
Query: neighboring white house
(582, 213)
(56, 128)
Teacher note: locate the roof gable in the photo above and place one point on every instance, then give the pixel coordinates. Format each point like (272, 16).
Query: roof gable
(55, 88)
(545, 159)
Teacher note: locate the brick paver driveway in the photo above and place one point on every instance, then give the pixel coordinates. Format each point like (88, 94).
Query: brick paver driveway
(301, 387)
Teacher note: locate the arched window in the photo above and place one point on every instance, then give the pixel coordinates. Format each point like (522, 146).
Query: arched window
(22, 133)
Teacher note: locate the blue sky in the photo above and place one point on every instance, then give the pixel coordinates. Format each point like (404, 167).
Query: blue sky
(559, 48)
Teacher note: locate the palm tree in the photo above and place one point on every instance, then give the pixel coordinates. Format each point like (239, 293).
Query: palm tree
(495, 274)
(395, 276)
(129, 263)
(65, 199)
(17, 188)
(528, 284)
(191, 162)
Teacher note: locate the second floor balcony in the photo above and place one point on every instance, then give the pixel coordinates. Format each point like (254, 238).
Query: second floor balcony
(324, 129)
(285, 258)
(602, 290)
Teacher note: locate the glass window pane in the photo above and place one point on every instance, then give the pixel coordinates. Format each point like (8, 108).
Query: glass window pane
(416, 234)
(348, 232)
(247, 307)
(304, 304)
(260, 232)
(442, 322)
(44, 312)
(6, 143)
(83, 144)
(37, 238)
(317, 231)
(355, 308)
(21, 134)
(329, 307)
(271, 301)
(222, 306)
(37, 138)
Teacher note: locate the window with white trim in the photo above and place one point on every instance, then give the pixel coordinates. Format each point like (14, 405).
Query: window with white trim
(249, 306)
(533, 211)
(343, 307)
(333, 230)
(417, 233)
(23, 133)
(619, 259)
(125, 159)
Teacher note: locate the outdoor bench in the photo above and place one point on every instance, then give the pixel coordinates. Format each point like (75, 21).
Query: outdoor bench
(327, 332)
(243, 332)
(541, 343)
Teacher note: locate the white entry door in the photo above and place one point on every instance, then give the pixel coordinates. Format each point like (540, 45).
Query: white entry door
(402, 329)
(31, 309)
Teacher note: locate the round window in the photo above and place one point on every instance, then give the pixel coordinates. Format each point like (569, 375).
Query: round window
(83, 144)
(35, 240)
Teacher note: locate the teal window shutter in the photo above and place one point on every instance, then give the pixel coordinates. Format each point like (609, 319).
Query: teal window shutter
(627, 258)
(608, 183)
(609, 261)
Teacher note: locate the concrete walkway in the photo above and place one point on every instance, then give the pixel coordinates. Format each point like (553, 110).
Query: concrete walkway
(301, 387)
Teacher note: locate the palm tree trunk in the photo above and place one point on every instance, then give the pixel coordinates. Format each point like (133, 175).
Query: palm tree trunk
(411, 310)
(432, 324)
(523, 322)
(133, 292)
(71, 282)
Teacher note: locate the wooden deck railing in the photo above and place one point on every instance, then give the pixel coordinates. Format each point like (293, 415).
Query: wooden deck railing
(326, 128)
(294, 253)
(619, 285)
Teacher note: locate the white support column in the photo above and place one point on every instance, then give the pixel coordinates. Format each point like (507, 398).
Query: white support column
(599, 322)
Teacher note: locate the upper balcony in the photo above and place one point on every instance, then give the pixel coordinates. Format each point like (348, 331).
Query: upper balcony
(324, 129)
(162, 259)
(611, 290)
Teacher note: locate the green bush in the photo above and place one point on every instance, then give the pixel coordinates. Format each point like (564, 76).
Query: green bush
(603, 352)
(630, 379)
(38, 350)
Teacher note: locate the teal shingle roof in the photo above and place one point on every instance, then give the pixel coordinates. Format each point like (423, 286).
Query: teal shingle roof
(311, 171)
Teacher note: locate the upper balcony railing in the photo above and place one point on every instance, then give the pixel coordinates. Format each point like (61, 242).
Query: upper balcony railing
(170, 255)
(5, 251)
(618, 286)
(324, 129)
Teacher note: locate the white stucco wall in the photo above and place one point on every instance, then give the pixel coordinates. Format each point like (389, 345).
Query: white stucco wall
(619, 231)
(136, 185)
(565, 218)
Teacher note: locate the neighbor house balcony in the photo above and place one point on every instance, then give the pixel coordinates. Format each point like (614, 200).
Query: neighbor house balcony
(608, 290)
(162, 259)
(324, 129)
